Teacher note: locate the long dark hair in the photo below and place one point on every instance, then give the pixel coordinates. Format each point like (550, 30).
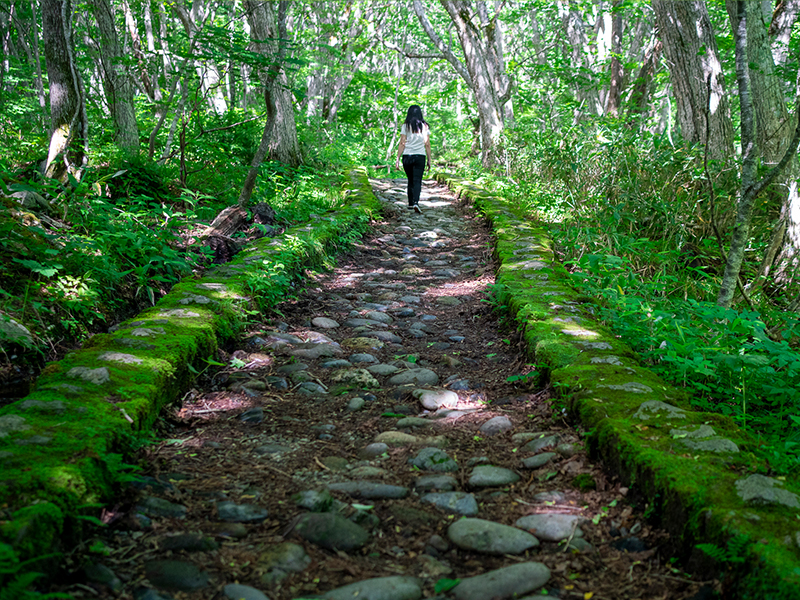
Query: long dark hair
(414, 119)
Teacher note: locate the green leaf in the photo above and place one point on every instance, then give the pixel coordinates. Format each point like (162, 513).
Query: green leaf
(445, 585)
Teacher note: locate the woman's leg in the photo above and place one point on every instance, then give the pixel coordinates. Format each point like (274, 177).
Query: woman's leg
(408, 167)
(416, 187)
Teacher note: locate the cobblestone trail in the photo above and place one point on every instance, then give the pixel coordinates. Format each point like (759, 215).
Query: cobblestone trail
(369, 445)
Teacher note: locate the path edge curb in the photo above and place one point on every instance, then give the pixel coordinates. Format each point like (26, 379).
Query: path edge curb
(60, 446)
(693, 492)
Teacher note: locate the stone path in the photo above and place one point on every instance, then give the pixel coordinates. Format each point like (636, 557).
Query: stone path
(368, 445)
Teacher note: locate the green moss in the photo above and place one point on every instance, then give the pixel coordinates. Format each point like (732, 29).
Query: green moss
(584, 482)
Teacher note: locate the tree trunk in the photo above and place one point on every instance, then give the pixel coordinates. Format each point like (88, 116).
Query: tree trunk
(639, 101)
(691, 52)
(780, 29)
(744, 209)
(774, 130)
(279, 139)
(116, 84)
(615, 88)
(69, 126)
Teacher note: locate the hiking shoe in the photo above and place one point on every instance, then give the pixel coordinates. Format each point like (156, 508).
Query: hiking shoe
(417, 209)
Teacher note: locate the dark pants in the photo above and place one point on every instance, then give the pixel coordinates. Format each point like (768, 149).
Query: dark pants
(414, 166)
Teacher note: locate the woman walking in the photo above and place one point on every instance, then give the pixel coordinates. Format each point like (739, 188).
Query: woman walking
(415, 145)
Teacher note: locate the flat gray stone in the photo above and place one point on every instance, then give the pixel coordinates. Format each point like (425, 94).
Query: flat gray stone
(534, 462)
(272, 449)
(759, 489)
(491, 476)
(606, 360)
(235, 591)
(633, 387)
(704, 431)
(413, 422)
(379, 316)
(434, 459)
(369, 490)
(717, 445)
(356, 404)
(362, 358)
(653, 409)
(240, 513)
(158, 507)
(331, 531)
(373, 450)
(544, 441)
(311, 388)
(15, 332)
(180, 313)
(338, 363)
(11, 424)
(488, 537)
(442, 483)
(292, 368)
(410, 299)
(552, 527)
(496, 425)
(458, 503)
(120, 357)
(382, 370)
(317, 351)
(396, 587)
(324, 323)
(447, 301)
(503, 583)
(175, 575)
(363, 323)
(436, 399)
(53, 406)
(384, 336)
(97, 376)
(415, 376)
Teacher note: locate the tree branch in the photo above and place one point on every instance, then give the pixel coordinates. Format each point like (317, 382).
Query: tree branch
(437, 41)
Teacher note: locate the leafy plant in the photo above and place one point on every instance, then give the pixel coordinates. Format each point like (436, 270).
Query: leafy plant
(734, 552)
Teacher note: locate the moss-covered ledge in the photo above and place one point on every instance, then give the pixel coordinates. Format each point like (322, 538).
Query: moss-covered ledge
(58, 445)
(697, 471)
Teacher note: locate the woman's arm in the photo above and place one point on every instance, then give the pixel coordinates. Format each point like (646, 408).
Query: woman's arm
(428, 152)
(400, 149)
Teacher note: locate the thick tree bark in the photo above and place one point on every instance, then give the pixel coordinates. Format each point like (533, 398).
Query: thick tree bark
(639, 102)
(116, 83)
(69, 125)
(691, 52)
(279, 139)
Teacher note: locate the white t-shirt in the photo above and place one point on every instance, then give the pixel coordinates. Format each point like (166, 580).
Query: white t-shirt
(415, 142)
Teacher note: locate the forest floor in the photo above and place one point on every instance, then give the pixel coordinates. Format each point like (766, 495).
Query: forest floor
(283, 475)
